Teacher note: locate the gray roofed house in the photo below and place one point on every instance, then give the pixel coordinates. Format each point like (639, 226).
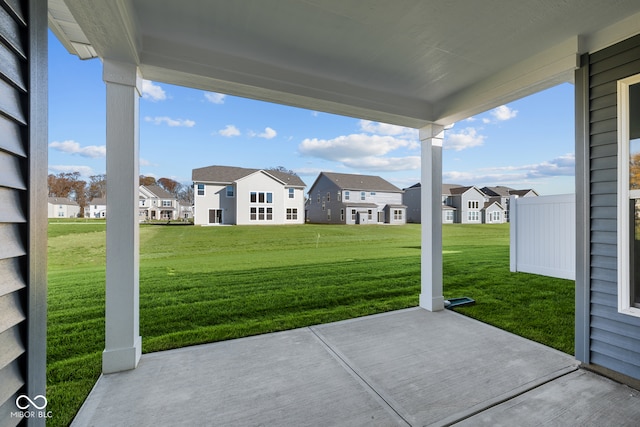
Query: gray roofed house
(156, 203)
(501, 194)
(62, 207)
(235, 195)
(340, 198)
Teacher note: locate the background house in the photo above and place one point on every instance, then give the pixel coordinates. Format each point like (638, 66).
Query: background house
(467, 204)
(233, 195)
(97, 208)
(62, 207)
(501, 194)
(339, 198)
(156, 203)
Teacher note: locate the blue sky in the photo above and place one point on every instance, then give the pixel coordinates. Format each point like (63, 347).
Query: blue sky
(525, 144)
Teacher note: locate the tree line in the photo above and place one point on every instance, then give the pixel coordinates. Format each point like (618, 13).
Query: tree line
(72, 186)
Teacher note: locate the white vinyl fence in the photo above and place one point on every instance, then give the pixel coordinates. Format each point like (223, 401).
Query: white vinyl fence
(543, 235)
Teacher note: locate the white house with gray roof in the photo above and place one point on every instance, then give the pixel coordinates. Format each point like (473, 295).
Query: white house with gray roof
(241, 196)
(62, 207)
(156, 203)
(340, 198)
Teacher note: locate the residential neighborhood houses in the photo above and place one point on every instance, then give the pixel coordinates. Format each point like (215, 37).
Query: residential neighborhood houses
(467, 204)
(229, 195)
(240, 196)
(339, 198)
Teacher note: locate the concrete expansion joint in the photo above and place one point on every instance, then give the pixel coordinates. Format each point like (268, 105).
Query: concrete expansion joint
(392, 407)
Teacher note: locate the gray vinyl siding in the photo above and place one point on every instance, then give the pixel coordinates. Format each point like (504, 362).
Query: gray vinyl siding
(614, 339)
(22, 203)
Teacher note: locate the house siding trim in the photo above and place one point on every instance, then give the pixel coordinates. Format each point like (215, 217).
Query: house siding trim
(583, 200)
(23, 214)
(619, 351)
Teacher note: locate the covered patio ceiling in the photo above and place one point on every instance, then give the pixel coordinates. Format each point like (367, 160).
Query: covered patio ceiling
(405, 62)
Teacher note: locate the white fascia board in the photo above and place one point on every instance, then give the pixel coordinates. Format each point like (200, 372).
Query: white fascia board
(615, 33)
(538, 72)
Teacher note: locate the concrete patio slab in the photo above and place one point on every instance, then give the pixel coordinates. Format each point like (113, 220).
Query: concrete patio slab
(408, 367)
(581, 398)
(438, 368)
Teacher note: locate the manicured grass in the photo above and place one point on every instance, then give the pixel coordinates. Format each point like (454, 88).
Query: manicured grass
(205, 284)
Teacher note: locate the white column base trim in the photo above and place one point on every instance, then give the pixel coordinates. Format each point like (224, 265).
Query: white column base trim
(431, 303)
(122, 359)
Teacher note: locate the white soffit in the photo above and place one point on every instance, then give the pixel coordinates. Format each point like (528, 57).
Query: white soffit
(407, 62)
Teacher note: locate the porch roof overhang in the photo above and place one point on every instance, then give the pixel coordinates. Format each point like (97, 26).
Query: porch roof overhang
(408, 63)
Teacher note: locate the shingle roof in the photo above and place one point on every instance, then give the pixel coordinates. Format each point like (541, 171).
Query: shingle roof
(229, 174)
(62, 201)
(361, 182)
(159, 192)
(500, 190)
(98, 201)
(459, 190)
(446, 188)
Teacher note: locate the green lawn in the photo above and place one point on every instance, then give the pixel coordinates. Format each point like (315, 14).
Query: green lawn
(204, 284)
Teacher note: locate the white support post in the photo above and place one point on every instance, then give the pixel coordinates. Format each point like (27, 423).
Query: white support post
(123, 345)
(431, 297)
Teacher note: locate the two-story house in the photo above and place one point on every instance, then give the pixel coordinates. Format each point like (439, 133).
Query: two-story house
(339, 198)
(62, 207)
(466, 204)
(501, 194)
(156, 203)
(97, 208)
(241, 196)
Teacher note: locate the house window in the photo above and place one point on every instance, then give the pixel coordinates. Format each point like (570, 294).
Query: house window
(323, 206)
(397, 214)
(200, 189)
(328, 197)
(363, 195)
(339, 196)
(291, 193)
(60, 213)
(448, 216)
(473, 204)
(373, 193)
(473, 216)
(328, 214)
(269, 214)
(166, 203)
(260, 197)
(292, 213)
(318, 197)
(629, 196)
(261, 214)
(346, 195)
(353, 214)
(254, 214)
(230, 191)
(341, 214)
(370, 214)
(253, 197)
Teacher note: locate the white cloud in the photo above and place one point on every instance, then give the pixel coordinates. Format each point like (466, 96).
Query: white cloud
(387, 129)
(388, 164)
(214, 97)
(503, 113)
(268, 133)
(85, 171)
(361, 151)
(152, 92)
(144, 162)
(72, 147)
(560, 166)
(463, 139)
(229, 131)
(351, 146)
(170, 122)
